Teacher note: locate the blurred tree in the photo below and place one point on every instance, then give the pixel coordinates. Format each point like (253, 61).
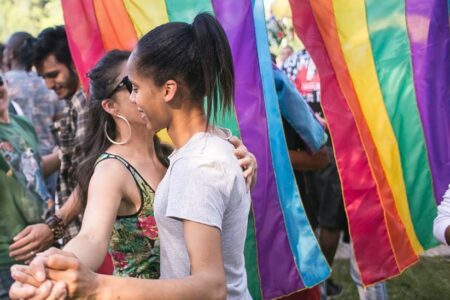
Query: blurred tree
(28, 15)
(280, 29)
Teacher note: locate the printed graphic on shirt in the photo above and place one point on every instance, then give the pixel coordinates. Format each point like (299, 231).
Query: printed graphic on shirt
(302, 71)
(25, 167)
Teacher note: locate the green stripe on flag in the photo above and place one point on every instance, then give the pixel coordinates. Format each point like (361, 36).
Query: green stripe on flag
(251, 261)
(186, 10)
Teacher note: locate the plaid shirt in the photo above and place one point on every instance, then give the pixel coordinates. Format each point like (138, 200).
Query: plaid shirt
(72, 130)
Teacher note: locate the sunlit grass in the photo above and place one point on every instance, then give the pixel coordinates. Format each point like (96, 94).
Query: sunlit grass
(429, 279)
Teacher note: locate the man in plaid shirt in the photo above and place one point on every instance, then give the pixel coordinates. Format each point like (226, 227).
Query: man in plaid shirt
(54, 64)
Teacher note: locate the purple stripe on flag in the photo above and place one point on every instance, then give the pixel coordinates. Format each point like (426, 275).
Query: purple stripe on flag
(429, 37)
(277, 267)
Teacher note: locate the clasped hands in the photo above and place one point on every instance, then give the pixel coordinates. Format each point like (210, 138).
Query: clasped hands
(53, 274)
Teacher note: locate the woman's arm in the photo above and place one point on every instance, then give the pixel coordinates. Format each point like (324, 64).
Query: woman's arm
(104, 198)
(207, 281)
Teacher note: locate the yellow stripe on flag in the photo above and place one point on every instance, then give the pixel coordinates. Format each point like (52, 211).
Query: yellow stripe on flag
(146, 14)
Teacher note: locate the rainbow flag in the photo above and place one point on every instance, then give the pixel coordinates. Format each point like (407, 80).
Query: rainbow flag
(282, 253)
(385, 78)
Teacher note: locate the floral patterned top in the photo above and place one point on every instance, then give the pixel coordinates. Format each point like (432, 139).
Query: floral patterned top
(134, 244)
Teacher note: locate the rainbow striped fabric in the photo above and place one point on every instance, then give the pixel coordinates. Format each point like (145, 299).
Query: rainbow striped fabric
(282, 253)
(385, 77)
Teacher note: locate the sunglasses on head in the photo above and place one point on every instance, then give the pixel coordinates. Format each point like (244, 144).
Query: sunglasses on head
(125, 82)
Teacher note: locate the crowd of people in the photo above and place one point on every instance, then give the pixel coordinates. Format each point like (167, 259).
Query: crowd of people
(84, 176)
(109, 141)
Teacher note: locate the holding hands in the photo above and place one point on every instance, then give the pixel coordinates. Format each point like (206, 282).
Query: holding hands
(31, 240)
(53, 274)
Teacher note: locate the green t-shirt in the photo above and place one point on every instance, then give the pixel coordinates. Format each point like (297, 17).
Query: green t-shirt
(22, 186)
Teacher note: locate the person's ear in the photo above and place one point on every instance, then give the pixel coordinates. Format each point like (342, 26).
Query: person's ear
(170, 90)
(110, 107)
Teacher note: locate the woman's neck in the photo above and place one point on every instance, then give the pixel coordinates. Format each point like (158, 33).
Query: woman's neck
(140, 144)
(184, 125)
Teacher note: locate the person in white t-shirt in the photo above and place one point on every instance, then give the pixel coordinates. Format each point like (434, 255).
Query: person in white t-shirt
(441, 226)
(202, 204)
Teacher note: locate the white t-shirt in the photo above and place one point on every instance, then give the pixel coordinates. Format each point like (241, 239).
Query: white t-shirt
(442, 220)
(204, 184)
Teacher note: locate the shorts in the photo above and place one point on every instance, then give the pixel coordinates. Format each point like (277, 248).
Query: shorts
(323, 192)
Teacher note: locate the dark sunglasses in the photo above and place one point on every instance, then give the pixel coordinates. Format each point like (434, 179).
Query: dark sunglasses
(125, 82)
(1, 81)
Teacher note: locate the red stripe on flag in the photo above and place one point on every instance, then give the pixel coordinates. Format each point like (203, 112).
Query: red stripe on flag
(83, 35)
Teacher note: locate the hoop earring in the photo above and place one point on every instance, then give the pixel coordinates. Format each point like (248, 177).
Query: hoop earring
(105, 129)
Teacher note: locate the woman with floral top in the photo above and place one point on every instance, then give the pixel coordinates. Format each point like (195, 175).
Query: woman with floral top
(118, 199)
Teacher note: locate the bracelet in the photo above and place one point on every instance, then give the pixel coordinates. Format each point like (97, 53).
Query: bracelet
(56, 225)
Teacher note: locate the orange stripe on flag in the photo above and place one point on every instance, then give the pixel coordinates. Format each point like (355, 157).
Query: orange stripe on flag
(115, 25)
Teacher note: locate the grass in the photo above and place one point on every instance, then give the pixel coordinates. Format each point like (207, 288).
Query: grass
(429, 279)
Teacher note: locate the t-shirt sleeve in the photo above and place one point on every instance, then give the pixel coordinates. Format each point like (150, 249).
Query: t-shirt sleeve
(198, 191)
(442, 221)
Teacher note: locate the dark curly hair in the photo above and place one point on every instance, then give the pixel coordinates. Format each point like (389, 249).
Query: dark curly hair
(52, 40)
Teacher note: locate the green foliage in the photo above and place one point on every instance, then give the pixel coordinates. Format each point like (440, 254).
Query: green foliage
(281, 33)
(28, 15)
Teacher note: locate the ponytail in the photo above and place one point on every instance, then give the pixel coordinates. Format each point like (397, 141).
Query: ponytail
(217, 64)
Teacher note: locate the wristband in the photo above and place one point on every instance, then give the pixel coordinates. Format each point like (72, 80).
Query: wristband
(56, 225)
